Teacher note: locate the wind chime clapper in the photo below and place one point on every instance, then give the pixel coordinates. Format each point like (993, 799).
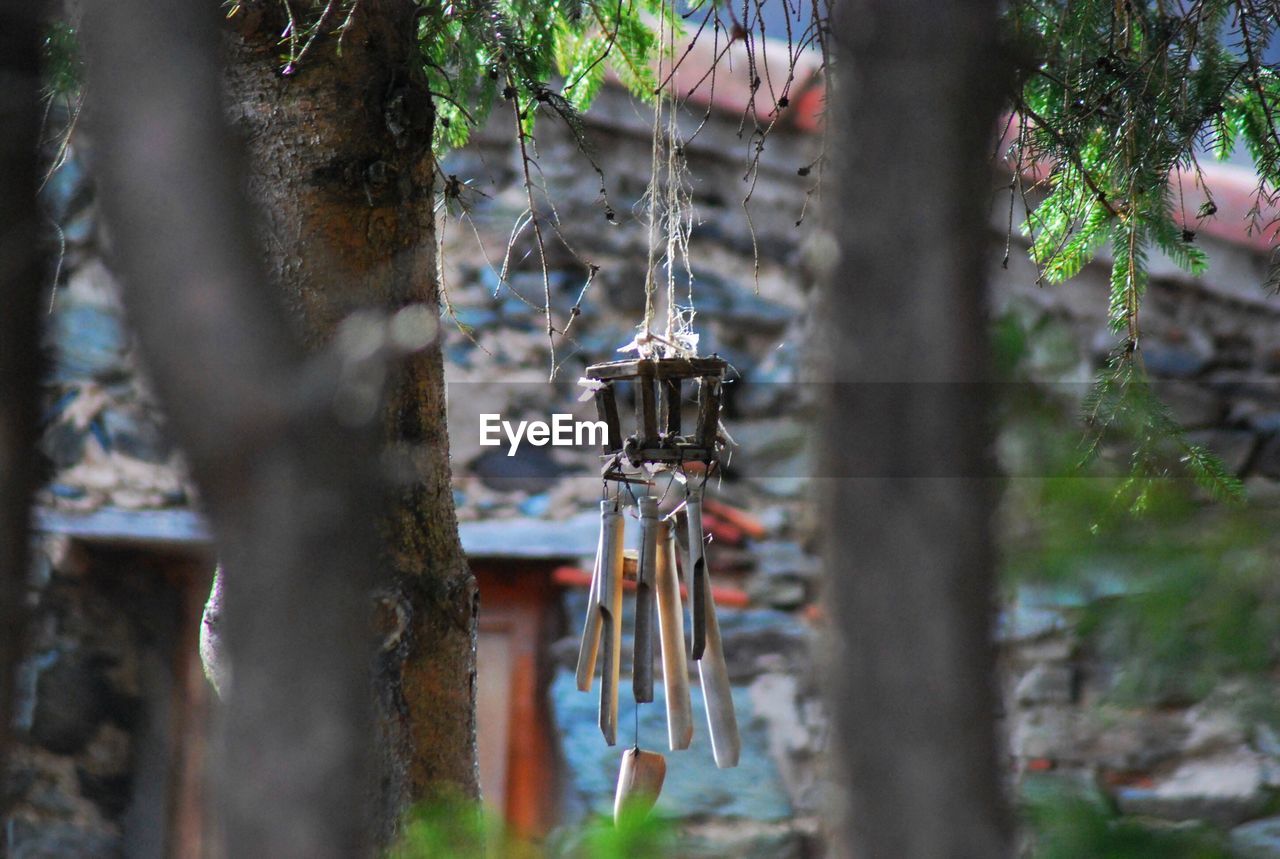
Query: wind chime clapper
(661, 442)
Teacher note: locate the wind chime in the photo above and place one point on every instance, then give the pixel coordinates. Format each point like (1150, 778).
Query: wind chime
(671, 551)
(657, 474)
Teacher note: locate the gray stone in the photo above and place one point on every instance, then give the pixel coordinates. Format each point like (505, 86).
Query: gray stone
(1193, 406)
(1213, 727)
(782, 591)
(134, 435)
(104, 770)
(1054, 648)
(770, 389)
(1042, 732)
(777, 447)
(89, 342)
(718, 298)
(69, 702)
(64, 186)
(63, 443)
(721, 298)
(1258, 839)
(1174, 362)
(1262, 491)
(1046, 684)
(694, 787)
(745, 839)
(1021, 622)
(1223, 790)
(1267, 463)
(785, 558)
(80, 229)
(793, 488)
(760, 640)
(1115, 739)
(1267, 422)
(796, 728)
(1181, 358)
(530, 469)
(62, 841)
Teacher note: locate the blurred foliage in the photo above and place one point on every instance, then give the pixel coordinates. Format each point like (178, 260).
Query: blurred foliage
(1074, 827)
(1115, 430)
(457, 828)
(476, 52)
(1176, 591)
(61, 59)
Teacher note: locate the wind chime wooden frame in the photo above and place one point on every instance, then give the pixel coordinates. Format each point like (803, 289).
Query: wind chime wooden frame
(658, 443)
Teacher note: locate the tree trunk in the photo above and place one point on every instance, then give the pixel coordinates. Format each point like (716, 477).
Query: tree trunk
(290, 481)
(342, 170)
(22, 279)
(910, 546)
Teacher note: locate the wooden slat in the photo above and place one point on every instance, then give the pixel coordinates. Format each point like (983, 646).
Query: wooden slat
(675, 670)
(607, 410)
(714, 674)
(642, 639)
(679, 453)
(708, 412)
(662, 368)
(646, 412)
(611, 632)
(589, 646)
(669, 402)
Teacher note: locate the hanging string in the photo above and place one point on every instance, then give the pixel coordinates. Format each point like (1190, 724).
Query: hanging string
(669, 209)
(672, 207)
(656, 154)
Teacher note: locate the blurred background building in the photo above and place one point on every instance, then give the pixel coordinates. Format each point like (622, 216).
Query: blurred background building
(113, 702)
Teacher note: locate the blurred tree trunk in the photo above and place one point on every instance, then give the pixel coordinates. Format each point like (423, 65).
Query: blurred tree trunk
(22, 281)
(910, 547)
(340, 165)
(281, 442)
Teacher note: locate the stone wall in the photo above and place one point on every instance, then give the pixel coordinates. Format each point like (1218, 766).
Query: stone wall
(1214, 340)
(1212, 344)
(96, 771)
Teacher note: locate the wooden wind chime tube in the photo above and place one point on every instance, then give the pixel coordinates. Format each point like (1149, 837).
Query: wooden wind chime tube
(707, 648)
(675, 672)
(642, 642)
(714, 674)
(609, 605)
(696, 574)
(589, 646)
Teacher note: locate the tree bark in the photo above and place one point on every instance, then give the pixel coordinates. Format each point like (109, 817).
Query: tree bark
(22, 281)
(341, 167)
(910, 545)
(290, 482)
